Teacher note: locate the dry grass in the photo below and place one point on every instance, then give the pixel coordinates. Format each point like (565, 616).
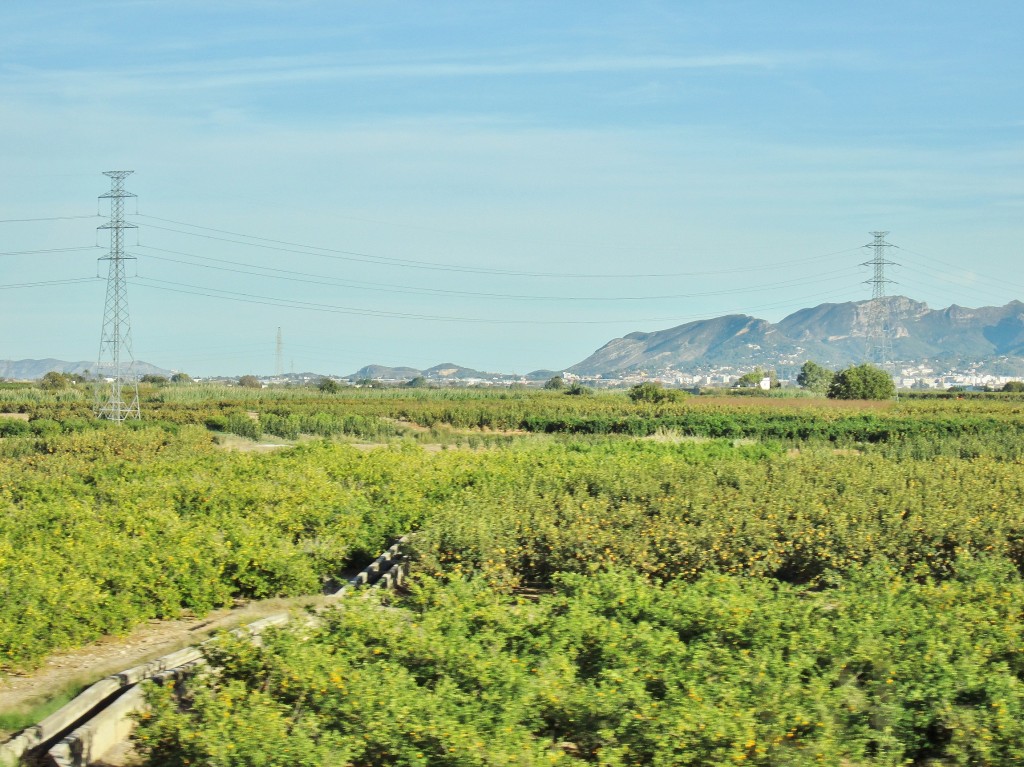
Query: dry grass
(234, 443)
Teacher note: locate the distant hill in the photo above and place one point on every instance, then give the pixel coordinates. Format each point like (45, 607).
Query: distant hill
(384, 373)
(450, 370)
(446, 371)
(831, 334)
(29, 370)
(542, 375)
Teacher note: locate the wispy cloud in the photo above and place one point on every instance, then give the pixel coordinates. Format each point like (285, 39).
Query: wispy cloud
(234, 73)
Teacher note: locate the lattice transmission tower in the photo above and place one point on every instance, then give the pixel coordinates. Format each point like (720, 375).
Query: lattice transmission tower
(119, 399)
(879, 321)
(279, 355)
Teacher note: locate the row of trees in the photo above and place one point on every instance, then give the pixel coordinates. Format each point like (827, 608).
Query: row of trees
(861, 382)
(54, 381)
(57, 381)
(855, 382)
(178, 378)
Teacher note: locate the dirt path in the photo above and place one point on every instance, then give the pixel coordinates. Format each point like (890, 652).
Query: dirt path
(77, 668)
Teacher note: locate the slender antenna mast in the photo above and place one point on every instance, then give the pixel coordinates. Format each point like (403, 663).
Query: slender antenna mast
(115, 364)
(279, 362)
(879, 330)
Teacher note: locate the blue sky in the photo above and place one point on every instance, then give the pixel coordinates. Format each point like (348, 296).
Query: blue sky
(503, 185)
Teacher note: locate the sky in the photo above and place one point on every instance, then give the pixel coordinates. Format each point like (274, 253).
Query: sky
(501, 185)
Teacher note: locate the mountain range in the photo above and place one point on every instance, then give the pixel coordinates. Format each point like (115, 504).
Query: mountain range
(25, 370)
(831, 334)
(446, 371)
(989, 339)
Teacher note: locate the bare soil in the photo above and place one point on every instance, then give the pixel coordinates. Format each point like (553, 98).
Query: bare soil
(233, 443)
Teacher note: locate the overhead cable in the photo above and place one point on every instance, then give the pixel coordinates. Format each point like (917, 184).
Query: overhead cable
(320, 279)
(178, 287)
(49, 218)
(348, 255)
(46, 250)
(47, 282)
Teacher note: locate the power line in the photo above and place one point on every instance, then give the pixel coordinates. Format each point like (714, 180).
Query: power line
(199, 290)
(43, 283)
(773, 265)
(46, 250)
(940, 280)
(326, 280)
(998, 280)
(939, 275)
(347, 255)
(49, 218)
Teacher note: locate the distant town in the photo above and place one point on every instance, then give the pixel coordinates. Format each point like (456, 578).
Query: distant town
(909, 376)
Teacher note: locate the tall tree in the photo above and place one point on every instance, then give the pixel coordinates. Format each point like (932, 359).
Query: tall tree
(814, 377)
(862, 382)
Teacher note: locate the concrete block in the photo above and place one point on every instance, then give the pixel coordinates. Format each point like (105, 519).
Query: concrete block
(111, 726)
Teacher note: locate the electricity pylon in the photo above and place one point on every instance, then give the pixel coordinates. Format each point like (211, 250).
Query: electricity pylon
(279, 355)
(120, 400)
(879, 322)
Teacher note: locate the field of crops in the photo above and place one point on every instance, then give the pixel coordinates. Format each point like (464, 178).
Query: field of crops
(710, 581)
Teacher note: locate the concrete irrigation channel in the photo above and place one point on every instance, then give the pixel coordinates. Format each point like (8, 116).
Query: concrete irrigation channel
(100, 719)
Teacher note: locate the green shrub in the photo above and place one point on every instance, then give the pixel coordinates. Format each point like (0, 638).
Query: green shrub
(862, 382)
(654, 392)
(243, 425)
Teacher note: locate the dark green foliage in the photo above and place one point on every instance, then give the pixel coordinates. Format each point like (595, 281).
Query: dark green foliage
(653, 392)
(862, 382)
(13, 428)
(216, 422)
(1013, 386)
(54, 381)
(243, 425)
(555, 383)
(288, 427)
(814, 377)
(250, 382)
(328, 386)
(577, 390)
